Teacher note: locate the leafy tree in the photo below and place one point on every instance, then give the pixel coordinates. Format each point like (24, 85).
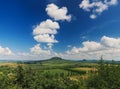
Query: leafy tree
(107, 77)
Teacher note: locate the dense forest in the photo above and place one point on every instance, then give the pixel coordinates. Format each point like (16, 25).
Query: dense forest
(42, 76)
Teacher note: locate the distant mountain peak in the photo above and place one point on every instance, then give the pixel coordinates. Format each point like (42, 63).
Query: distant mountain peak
(56, 58)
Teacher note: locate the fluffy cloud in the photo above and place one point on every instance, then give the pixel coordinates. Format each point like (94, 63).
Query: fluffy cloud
(109, 47)
(36, 53)
(111, 2)
(50, 45)
(38, 50)
(57, 13)
(46, 27)
(5, 51)
(96, 7)
(93, 16)
(45, 31)
(45, 38)
(110, 42)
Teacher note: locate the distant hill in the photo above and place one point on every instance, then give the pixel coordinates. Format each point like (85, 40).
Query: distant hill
(97, 61)
(53, 60)
(57, 60)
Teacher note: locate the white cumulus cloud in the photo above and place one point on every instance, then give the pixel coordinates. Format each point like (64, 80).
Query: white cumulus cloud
(57, 13)
(110, 42)
(38, 50)
(108, 46)
(45, 38)
(93, 16)
(96, 7)
(5, 51)
(45, 31)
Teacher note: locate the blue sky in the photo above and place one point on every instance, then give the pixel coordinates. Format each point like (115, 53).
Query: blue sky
(71, 29)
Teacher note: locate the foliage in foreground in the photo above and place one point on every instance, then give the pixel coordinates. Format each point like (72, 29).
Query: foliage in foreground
(107, 77)
(27, 78)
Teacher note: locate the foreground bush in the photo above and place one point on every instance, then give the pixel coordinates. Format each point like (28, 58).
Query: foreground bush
(107, 77)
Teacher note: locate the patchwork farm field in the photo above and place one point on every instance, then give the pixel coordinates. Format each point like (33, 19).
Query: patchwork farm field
(9, 64)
